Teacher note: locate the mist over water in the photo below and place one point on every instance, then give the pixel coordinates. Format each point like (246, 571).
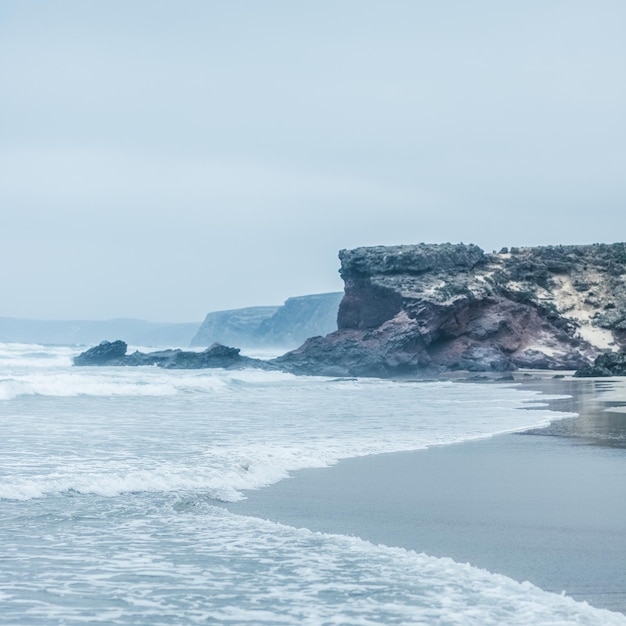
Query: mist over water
(111, 480)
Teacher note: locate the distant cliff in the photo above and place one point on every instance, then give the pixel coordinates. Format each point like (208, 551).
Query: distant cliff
(238, 327)
(438, 307)
(285, 326)
(300, 318)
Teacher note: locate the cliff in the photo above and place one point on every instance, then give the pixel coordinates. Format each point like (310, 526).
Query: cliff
(238, 327)
(283, 326)
(300, 318)
(438, 307)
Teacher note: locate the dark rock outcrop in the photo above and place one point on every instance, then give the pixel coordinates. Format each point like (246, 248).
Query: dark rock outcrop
(283, 326)
(102, 354)
(410, 309)
(114, 354)
(608, 364)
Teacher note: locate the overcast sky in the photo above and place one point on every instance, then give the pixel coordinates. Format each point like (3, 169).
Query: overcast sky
(163, 159)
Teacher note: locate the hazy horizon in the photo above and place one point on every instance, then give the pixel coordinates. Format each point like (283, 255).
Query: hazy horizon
(161, 160)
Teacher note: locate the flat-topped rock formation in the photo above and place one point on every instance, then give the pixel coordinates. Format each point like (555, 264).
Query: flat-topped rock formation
(410, 309)
(238, 327)
(283, 327)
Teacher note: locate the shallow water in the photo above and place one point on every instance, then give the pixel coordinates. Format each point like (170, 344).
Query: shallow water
(111, 479)
(536, 508)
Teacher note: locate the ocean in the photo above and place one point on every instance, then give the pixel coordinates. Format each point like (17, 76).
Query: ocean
(113, 482)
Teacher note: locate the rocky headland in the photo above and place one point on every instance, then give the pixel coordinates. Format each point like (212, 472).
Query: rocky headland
(286, 326)
(430, 308)
(238, 327)
(420, 308)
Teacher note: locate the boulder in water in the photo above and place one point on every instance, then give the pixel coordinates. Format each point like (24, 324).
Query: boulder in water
(105, 353)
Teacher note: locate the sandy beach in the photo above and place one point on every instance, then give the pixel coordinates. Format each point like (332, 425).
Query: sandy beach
(548, 506)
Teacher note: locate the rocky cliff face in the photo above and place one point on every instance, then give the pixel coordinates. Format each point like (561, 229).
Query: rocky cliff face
(301, 317)
(283, 326)
(444, 307)
(238, 327)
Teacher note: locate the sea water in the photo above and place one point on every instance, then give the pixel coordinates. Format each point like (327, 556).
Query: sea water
(111, 481)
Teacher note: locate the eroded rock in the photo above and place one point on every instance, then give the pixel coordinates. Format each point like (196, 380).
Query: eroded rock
(410, 309)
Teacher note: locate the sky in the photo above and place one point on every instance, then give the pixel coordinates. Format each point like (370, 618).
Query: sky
(161, 159)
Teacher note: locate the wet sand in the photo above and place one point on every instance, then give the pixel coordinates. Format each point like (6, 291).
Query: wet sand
(548, 506)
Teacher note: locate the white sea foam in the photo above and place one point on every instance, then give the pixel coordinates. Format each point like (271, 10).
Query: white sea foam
(146, 429)
(197, 564)
(36, 370)
(20, 355)
(225, 432)
(109, 475)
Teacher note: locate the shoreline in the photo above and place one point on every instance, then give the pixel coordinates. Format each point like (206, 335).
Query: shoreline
(547, 505)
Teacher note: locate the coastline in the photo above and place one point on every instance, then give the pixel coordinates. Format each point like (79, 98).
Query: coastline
(547, 505)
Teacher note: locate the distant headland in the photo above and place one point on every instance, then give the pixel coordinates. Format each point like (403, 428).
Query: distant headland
(422, 308)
